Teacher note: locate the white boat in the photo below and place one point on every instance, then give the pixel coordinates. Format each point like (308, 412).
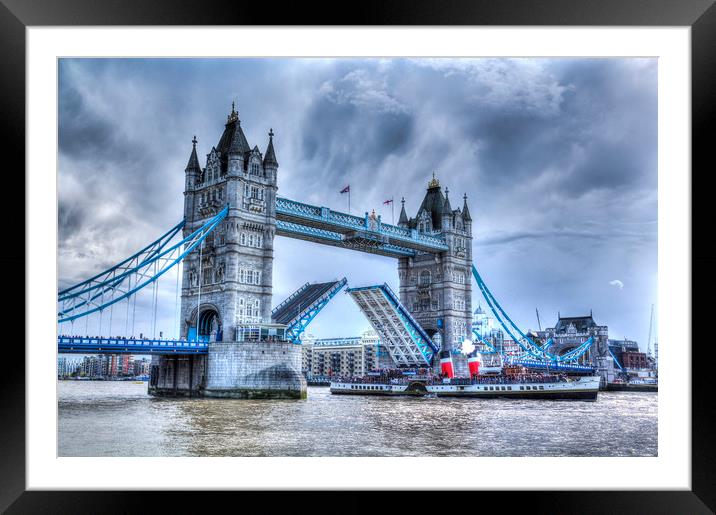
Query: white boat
(570, 387)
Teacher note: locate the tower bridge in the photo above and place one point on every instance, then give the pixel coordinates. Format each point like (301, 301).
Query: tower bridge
(232, 213)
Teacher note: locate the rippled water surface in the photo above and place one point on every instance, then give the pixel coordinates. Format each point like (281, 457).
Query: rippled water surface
(102, 418)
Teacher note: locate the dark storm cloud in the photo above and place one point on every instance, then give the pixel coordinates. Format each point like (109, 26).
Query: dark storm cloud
(557, 157)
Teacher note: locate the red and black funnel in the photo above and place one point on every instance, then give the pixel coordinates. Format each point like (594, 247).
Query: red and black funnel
(473, 364)
(446, 366)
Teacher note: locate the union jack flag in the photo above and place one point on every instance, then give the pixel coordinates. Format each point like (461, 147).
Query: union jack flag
(389, 201)
(346, 189)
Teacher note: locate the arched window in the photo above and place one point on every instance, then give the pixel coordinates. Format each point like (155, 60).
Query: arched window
(259, 241)
(243, 238)
(247, 190)
(251, 240)
(255, 169)
(425, 277)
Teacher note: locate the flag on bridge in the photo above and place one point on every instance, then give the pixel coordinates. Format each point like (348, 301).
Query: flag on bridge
(347, 189)
(392, 214)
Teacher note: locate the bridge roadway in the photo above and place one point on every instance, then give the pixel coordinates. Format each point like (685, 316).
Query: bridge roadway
(93, 345)
(323, 225)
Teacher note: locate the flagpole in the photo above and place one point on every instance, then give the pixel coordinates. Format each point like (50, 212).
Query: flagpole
(392, 211)
(349, 200)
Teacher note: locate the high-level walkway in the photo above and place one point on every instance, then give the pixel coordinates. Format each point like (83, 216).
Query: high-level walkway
(323, 225)
(406, 341)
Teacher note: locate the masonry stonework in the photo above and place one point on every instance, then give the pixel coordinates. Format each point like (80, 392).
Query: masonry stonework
(227, 280)
(255, 371)
(437, 288)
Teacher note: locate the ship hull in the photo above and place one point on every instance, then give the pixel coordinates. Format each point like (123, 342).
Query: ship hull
(583, 388)
(617, 387)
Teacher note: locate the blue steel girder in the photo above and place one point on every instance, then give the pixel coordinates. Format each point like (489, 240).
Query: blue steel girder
(345, 224)
(82, 299)
(415, 332)
(615, 359)
(317, 235)
(91, 345)
(577, 352)
(541, 364)
(548, 344)
(296, 327)
(482, 340)
(507, 324)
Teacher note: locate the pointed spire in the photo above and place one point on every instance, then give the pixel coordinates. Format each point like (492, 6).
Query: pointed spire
(434, 183)
(238, 145)
(403, 216)
(447, 208)
(234, 116)
(270, 156)
(465, 211)
(193, 164)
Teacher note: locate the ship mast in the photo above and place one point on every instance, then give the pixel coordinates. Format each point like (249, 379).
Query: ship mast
(651, 323)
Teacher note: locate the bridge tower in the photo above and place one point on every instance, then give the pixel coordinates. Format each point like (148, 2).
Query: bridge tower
(436, 287)
(234, 265)
(227, 282)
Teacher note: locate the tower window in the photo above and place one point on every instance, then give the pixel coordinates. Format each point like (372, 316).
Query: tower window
(425, 277)
(255, 169)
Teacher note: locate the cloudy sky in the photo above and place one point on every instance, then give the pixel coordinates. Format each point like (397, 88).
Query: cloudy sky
(558, 158)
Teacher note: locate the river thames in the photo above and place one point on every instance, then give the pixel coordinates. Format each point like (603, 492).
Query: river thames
(106, 418)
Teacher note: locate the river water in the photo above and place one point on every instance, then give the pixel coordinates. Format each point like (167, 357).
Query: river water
(106, 418)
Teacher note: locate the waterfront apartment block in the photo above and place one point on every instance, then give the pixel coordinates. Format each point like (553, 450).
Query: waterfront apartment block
(348, 356)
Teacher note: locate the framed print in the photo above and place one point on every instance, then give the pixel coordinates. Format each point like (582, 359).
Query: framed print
(445, 248)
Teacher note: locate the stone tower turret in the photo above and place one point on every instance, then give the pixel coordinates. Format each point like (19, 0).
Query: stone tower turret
(235, 269)
(436, 288)
(192, 175)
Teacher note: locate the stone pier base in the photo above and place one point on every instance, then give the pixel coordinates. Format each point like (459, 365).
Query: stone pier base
(261, 370)
(177, 376)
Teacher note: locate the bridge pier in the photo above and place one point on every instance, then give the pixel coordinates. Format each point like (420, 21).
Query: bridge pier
(238, 370)
(255, 370)
(177, 375)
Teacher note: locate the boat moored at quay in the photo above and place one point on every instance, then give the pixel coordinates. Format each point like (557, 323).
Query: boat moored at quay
(524, 386)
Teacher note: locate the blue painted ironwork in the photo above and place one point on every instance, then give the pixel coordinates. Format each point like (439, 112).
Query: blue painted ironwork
(143, 255)
(115, 284)
(531, 349)
(417, 334)
(426, 345)
(92, 345)
(289, 299)
(616, 360)
(483, 341)
(301, 231)
(343, 223)
(296, 327)
(577, 352)
(548, 365)
(525, 342)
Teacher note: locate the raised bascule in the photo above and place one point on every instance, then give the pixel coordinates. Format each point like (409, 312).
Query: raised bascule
(232, 343)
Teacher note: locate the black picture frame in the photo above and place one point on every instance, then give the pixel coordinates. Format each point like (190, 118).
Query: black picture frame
(700, 15)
